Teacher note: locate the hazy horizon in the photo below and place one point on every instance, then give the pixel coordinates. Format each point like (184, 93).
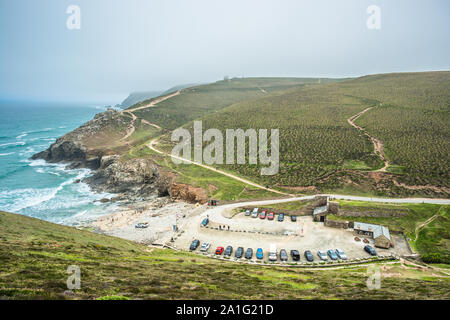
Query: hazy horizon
(123, 47)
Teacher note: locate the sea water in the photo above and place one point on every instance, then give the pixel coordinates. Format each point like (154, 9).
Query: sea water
(34, 187)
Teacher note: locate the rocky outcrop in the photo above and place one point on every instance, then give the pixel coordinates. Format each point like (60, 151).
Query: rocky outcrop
(180, 191)
(70, 147)
(135, 177)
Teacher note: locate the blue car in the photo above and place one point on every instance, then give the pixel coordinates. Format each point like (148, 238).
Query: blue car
(205, 222)
(332, 254)
(281, 217)
(259, 253)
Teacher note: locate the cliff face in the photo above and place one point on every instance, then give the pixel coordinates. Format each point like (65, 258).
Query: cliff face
(71, 148)
(135, 178)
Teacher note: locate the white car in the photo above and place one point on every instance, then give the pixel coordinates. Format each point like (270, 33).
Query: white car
(341, 254)
(322, 255)
(205, 246)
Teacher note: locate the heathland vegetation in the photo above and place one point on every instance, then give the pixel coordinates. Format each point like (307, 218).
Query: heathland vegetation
(318, 147)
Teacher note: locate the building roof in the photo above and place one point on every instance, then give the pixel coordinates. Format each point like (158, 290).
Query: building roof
(376, 229)
(321, 209)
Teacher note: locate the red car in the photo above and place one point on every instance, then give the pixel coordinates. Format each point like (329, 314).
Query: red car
(270, 216)
(219, 250)
(262, 215)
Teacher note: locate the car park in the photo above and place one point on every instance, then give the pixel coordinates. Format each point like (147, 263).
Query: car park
(309, 256)
(249, 253)
(293, 218)
(228, 251)
(205, 246)
(281, 217)
(248, 212)
(270, 216)
(205, 222)
(370, 250)
(239, 252)
(341, 254)
(262, 215)
(219, 250)
(283, 255)
(295, 255)
(322, 255)
(332, 254)
(259, 253)
(194, 245)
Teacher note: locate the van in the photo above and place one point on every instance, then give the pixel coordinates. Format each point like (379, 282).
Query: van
(273, 252)
(255, 213)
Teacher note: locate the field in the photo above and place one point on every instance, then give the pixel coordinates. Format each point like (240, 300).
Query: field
(319, 148)
(36, 254)
(431, 240)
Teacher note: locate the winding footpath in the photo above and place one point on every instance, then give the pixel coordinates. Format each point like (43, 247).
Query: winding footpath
(377, 144)
(132, 127)
(152, 143)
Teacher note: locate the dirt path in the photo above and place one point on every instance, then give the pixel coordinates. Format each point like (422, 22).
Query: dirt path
(423, 224)
(377, 144)
(152, 143)
(132, 127)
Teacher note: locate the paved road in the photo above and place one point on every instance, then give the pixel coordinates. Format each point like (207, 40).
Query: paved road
(215, 213)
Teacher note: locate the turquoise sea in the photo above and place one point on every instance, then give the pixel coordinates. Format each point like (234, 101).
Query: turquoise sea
(36, 188)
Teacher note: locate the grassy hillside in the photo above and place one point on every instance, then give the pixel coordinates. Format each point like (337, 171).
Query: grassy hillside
(35, 255)
(198, 101)
(318, 147)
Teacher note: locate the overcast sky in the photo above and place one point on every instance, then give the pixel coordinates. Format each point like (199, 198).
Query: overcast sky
(124, 46)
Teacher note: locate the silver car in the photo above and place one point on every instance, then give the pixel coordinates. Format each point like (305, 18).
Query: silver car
(322, 255)
(205, 246)
(341, 254)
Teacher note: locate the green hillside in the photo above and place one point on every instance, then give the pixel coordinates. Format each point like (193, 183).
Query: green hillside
(195, 102)
(35, 255)
(318, 147)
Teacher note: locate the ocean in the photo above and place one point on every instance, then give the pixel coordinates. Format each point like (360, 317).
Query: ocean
(33, 187)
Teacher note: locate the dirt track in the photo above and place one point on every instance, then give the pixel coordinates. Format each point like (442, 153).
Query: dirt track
(377, 144)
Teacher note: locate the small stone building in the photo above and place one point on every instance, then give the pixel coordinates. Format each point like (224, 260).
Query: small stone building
(379, 234)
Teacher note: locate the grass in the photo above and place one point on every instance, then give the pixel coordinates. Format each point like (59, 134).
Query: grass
(319, 148)
(36, 254)
(433, 241)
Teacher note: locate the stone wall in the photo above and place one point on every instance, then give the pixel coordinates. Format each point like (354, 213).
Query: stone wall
(336, 224)
(372, 212)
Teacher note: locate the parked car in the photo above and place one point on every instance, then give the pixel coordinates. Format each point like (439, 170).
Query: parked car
(228, 251)
(205, 222)
(273, 252)
(259, 253)
(283, 255)
(248, 212)
(249, 253)
(141, 225)
(281, 217)
(205, 246)
(255, 213)
(219, 250)
(239, 252)
(293, 218)
(332, 254)
(270, 216)
(262, 215)
(309, 256)
(341, 254)
(194, 245)
(322, 255)
(370, 250)
(295, 255)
